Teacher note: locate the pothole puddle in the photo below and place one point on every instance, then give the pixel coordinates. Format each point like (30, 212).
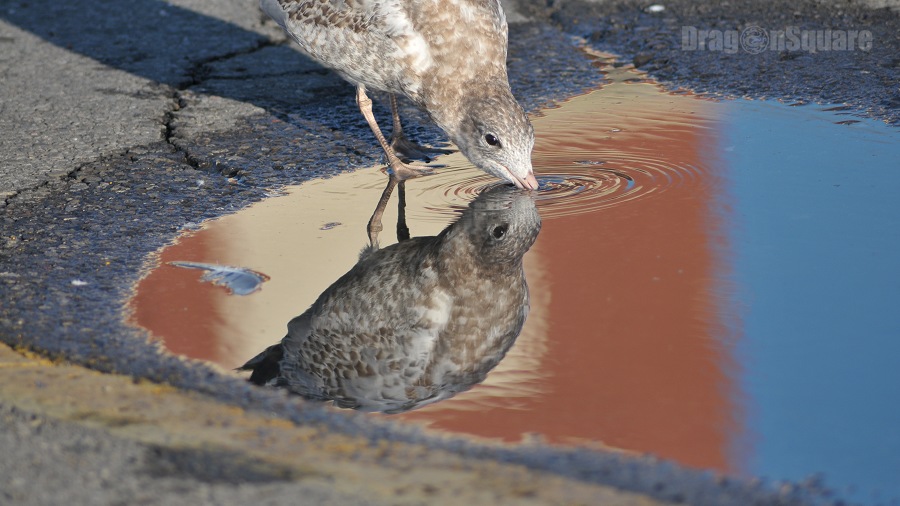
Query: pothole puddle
(711, 284)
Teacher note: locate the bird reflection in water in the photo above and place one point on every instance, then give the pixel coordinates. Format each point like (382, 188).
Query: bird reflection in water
(415, 322)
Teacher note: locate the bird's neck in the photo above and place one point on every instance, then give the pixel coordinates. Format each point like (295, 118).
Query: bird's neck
(460, 259)
(464, 99)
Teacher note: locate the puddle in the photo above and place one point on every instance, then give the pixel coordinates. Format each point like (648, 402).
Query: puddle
(714, 283)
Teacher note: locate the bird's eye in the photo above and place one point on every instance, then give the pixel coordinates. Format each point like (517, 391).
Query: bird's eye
(492, 140)
(499, 231)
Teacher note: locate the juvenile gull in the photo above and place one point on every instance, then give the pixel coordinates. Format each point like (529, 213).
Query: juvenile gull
(418, 321)
(447, 56)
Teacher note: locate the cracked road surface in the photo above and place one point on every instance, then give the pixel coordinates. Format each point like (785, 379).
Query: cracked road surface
(125, 122)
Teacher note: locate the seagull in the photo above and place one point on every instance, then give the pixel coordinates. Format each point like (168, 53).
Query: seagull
(415, 322)
(447, 56)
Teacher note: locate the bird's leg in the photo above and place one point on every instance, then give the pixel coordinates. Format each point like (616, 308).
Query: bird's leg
(402, 229)
(405, 147)
(397, 132)
(399, 170)
(375, 226)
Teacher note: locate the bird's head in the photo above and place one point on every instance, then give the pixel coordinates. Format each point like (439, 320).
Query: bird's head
(496, 136)
(501, 224)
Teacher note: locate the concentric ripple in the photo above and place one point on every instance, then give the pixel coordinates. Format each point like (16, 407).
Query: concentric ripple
(608, 148)
(567, 187)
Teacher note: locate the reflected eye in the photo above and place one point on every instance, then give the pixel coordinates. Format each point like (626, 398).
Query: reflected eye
(499, 232)
(492, 140)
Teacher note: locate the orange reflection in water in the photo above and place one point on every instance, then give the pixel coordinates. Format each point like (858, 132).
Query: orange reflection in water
(627, 342)
(638, 356)
(173, 303)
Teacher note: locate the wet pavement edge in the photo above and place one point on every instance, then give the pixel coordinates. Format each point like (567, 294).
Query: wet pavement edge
(188, 437)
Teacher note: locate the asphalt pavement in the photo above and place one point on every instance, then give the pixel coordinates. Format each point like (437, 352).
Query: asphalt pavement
(125, 122)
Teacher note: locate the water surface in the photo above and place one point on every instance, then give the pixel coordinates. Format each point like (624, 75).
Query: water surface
(715, 283)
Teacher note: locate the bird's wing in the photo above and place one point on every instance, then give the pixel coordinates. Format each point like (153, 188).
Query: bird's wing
(274, 10)
(372, 42)
(369, 331)
(352, 15)
(299, 327)
(495, 13)
(388, 288)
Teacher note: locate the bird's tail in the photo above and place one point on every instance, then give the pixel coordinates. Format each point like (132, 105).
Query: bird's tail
(265, 366)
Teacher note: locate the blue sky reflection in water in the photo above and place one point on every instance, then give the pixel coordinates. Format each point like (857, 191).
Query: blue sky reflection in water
(814, 249)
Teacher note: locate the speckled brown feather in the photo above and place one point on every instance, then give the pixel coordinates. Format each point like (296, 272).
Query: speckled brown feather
(418, 321)
(447, 56)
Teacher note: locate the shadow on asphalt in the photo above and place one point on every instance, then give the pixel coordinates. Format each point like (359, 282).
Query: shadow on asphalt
(136, 41)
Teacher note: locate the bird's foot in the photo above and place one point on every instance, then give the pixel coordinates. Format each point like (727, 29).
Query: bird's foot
(402, 172)
(409, 150)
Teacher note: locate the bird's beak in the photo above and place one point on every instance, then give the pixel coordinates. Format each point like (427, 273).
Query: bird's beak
(529, 182)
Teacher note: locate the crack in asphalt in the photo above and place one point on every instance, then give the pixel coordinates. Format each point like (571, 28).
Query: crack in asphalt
(197, 75)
